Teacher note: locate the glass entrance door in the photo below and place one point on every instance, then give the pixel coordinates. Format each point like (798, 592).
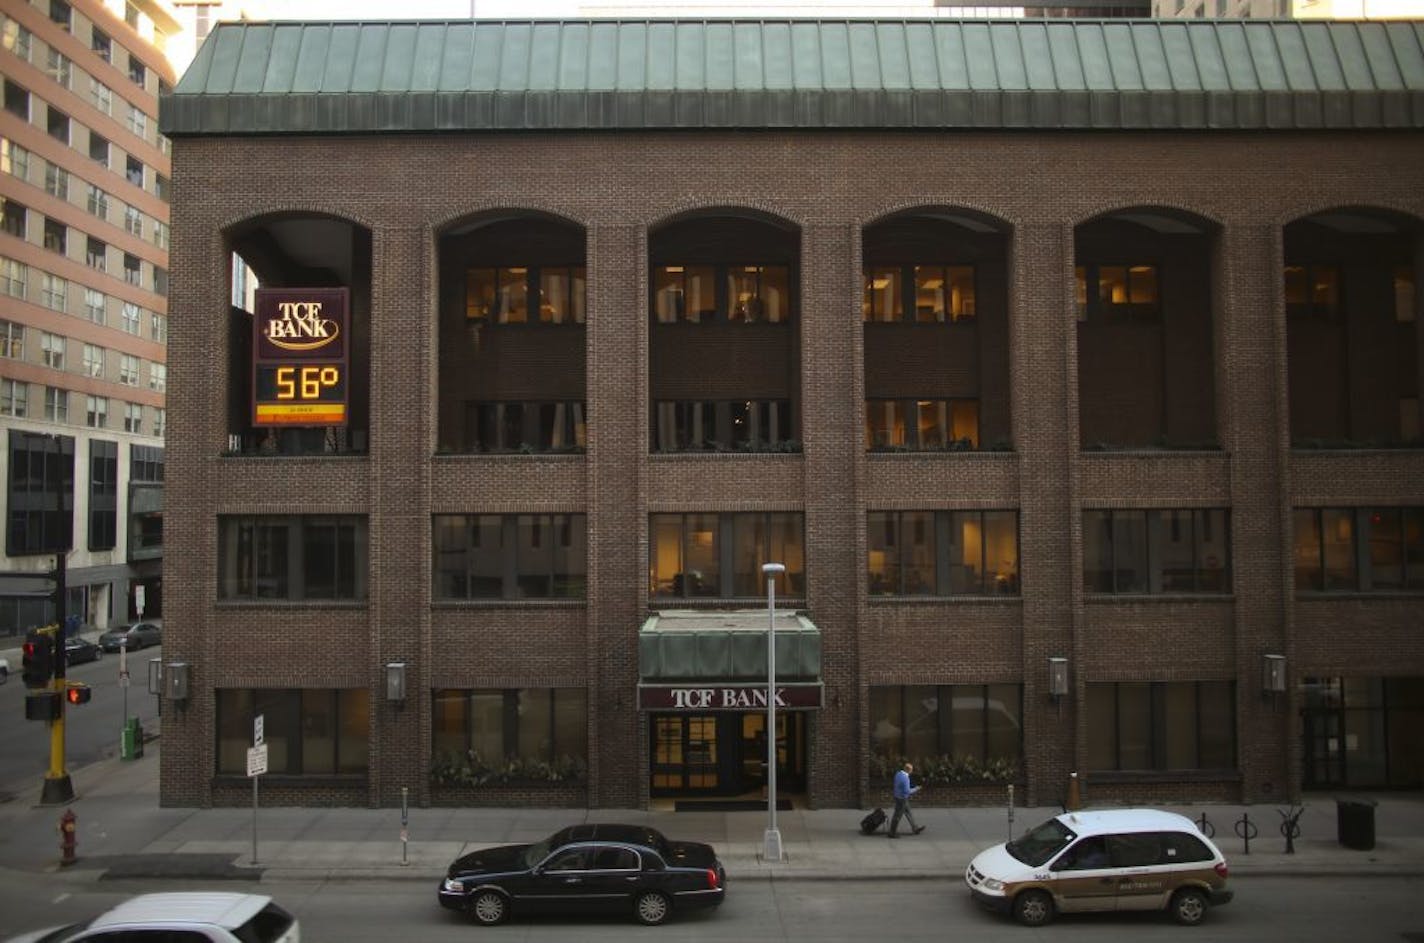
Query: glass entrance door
(724, 754)
(685, 754)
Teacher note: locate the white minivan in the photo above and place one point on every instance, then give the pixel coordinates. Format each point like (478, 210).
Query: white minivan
(1108, 859)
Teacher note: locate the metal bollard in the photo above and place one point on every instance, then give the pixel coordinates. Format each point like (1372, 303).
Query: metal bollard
(405, 819)
(1246, 830)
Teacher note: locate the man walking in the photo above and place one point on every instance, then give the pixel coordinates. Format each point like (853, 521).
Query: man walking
(903, 791)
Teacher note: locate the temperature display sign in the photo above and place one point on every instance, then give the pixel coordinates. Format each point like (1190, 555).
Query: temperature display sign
(300, 357)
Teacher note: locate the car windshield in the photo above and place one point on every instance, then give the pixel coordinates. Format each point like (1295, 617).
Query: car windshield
(536, 853)
(267, 926)
(1037, 845)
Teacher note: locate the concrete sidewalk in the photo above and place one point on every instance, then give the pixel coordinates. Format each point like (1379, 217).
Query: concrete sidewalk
(122, 832)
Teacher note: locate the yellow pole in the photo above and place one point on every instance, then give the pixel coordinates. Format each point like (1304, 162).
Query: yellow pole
(56, 736)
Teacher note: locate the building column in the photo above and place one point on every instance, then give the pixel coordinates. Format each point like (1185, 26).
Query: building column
(616, 382)
(832, 431)
(404, 307)
(1255, 424)
(1043, 375)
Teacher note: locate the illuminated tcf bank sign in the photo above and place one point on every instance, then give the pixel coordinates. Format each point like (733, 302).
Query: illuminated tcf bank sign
(300, 357)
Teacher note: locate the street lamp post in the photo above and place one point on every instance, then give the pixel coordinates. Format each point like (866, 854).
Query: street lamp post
(771, 850)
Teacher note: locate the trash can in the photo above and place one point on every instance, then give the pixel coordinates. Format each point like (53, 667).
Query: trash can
(131, 741)
(1355, 823)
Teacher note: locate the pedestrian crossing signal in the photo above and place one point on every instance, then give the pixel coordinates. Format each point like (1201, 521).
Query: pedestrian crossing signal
(78, 693)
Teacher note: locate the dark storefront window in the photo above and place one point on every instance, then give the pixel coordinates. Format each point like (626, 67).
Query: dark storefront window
(943, 553)
(1363, 732)
(1157, 551)
(146, 463)
(1353, 550)
(489, 727)
(308, 732)
(1162, 725)
(41, 493)
(951, 732)
(103, 494)
(296, 557)
(510, 556)
(721, 555)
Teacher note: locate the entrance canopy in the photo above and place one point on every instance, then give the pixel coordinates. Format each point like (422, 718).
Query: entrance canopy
(716, 660)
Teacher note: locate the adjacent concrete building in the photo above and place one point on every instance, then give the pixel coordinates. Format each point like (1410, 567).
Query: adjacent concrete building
(1071, 369)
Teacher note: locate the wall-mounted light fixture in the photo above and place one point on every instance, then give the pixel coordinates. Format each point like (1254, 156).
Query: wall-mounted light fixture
(1057, 678)
(175, 680)
(1273, 674)
(395, 682)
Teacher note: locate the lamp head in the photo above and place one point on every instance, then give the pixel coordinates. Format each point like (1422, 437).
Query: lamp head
(770, 569)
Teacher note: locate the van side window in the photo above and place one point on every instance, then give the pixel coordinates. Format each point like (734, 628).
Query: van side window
(1136, 850)
(1180, 846)
(1086, 855)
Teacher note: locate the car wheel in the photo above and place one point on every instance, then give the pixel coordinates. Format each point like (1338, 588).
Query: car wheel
(651, 908)
(1189, 906)
(1033, 908)
(489, 908)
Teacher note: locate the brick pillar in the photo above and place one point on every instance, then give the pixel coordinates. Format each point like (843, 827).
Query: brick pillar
(617, 382)
(832, 397)
(402, 438)
(1251, 354)
(1044, 389)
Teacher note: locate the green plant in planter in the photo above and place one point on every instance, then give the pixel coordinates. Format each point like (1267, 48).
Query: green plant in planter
(946, 770)
(452, 768)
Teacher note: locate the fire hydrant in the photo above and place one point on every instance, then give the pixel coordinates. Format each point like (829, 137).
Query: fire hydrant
(66, 838)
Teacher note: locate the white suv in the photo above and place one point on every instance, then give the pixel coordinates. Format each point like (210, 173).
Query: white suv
(199, 917)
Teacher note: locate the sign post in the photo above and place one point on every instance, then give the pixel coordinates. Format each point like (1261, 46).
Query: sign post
(256, 766)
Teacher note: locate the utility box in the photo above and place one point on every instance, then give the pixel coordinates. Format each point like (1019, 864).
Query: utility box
(131, 741)
(175, 680)
(1355, 823)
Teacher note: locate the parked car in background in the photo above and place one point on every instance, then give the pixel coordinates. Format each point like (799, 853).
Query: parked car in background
(211, 917)
(78, 650)
(602, 868)
(1105, 860)
(138, 634)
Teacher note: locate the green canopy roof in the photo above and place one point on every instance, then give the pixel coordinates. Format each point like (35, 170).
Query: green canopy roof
(543, 75)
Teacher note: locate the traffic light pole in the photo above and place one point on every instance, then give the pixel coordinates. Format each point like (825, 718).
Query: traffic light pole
(58, 789)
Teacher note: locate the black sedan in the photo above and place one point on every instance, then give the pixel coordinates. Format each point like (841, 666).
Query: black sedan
(78, 650)
(627, 869)
(136, 635)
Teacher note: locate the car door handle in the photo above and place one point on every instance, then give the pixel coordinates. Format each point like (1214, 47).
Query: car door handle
(573, 880)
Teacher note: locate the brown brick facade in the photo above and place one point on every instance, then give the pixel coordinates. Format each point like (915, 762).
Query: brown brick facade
(827, 187)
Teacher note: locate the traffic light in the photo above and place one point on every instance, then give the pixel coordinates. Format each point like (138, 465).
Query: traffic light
(38, 658)
(42, 705)
(78, 693)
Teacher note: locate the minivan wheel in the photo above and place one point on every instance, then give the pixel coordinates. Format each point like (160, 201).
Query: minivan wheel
(1033, 908)
(651, 908)
(489, 908)
(1189, 906)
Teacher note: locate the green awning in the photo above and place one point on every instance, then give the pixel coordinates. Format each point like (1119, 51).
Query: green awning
(716, 645)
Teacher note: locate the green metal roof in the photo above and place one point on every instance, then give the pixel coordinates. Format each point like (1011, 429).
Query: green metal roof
(394, 77)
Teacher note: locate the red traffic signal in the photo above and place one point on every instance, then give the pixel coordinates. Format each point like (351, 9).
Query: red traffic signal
(78, 693)
(38, 658)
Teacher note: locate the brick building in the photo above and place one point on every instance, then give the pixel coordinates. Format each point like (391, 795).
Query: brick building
(1071, 369)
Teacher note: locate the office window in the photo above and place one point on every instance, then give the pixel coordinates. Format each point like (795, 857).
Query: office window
(128, 370)
(526, 427)
(12, 340)
(96, 412)
(720, 555)
(146, 463)
(1117, 291)
(163, 188)
(103, 494)
(14, 398)
(16, 39)
(99, 148)
(940, 293)
(158, 327)
(502, 726)
(57, 66)
(17, 100)
(1404, 294)
(1312, 291)
(97, 202)
(100, 43)
(102, 96)
(57, 124)
(133, 269)
(138, 121)
(13, 278)
(60, 13)
(1369, 550)
(308, 731)
(53, 291)
(942, 553)
(15, 219)
(502, 295)
(133, 220)
(1157, 551)
(978, 726)
(52, 350)
(96, 254)
(93, 361)
(723, 425)
(1161, 725)
(94, 303)
(137, 72)
(56, 236)
(157, 377)
(129, 317)
(510, 556)
(14, 159)
(160, 235)
(133, 170)
(41, 493)
(56, 181)
(160, 281)
(697, 294)
(292, 557)
(56, 404)
(160, 421)
(927, 425)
